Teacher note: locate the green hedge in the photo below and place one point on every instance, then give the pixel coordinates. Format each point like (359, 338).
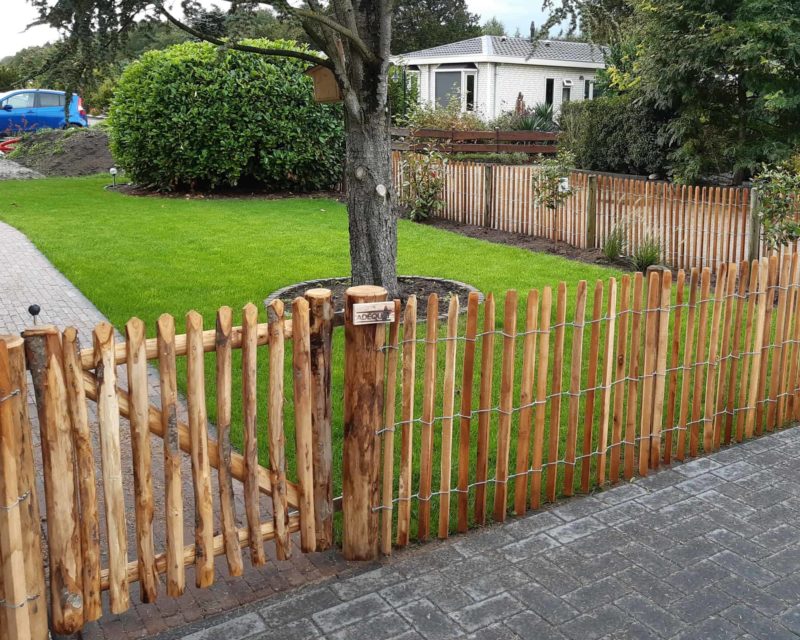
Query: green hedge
(614, 134)
(199, 117)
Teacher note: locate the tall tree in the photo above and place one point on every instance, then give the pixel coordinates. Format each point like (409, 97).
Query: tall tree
(355, 38)
(493, 27)
(419, 24)
(600, 21)
(727, 71)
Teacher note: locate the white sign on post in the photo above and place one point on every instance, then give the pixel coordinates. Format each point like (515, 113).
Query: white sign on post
(373, 312)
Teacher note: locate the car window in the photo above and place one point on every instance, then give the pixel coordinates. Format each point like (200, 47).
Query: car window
(21, 100)
(51, 100)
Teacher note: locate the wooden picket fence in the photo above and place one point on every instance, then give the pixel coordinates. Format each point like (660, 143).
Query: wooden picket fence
(694, 226)
(642, 373)
(68, 380)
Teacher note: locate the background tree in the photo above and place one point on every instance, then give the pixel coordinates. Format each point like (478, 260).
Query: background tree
(419, 24)
(600, 21)
(355, 38)
(493, 27)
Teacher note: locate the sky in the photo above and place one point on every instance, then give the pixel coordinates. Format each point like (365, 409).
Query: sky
(18, 14)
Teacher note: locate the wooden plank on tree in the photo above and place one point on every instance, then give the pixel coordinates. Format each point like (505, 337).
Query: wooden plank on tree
(233, 554)
(141, 454)
(407, 418)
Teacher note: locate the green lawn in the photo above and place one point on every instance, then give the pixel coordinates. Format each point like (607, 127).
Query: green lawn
(144, 256)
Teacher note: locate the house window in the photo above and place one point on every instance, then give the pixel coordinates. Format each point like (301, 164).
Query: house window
(565, 94)
(548, 91)
(455, 82)
(587, 90)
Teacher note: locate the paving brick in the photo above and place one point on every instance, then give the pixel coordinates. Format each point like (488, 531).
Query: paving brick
(350, 612)
(743, 567)
(427, 620)
(596, 624)
(236, 629)
(486, 612)
(545, 604)
(528, 625)
(528, 547)
(381, 627)
(574, 530)
(758, 625)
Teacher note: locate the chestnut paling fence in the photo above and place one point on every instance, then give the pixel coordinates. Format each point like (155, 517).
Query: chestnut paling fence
(444, 427)
(694, 226)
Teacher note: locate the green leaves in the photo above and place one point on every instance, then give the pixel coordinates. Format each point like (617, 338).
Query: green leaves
(196, 116)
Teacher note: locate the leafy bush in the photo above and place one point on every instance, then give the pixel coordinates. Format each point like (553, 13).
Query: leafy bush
(491, 158)
(538, 118)
(647, 254)
(549, 183)
(615, 245)
(614, 134)
(195, 116)
(778, 190)
(428, 116)
(424, 183)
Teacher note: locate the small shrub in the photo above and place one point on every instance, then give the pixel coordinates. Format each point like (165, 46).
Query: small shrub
(195, 116)
(428, 116)
(540, 117)
(647, 254)
(491, 158)
(550, 187)
(615, 245)
(778, 190)
(424, 183)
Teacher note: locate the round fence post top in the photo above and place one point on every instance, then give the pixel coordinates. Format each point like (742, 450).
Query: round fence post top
(318, 293)
(12, 341)
(366, 291)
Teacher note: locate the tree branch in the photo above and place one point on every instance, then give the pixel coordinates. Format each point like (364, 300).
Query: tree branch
(286, 53)
(335, 26)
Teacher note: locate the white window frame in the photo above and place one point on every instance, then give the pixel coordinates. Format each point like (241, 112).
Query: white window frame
(463, 90)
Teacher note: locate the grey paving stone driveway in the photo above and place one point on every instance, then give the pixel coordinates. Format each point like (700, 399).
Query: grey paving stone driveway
(707, 549)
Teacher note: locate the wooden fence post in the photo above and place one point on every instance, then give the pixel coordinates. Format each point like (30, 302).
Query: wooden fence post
(591, 213)
(321, 332)
(363, 418)
(36, 607)
(754, 242)
(488, 192)
(43, 352)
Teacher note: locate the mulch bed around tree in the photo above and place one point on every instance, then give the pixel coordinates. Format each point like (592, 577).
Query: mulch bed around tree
(420, 286)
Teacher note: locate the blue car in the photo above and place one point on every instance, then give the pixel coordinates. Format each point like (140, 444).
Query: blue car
(29, 109)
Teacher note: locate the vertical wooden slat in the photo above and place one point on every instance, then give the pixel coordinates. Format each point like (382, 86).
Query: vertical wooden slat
(201, 469)
(747, 369)
(140, 448)
(108, 422)
(87, 482)
(619, 378)
(700, 362)
(713, 363)
(465, 422)
(233, 552)
(541, 398)
(591, 383)
(301, 368)
(672, 392)
(605, 382)
(428, 408)
(448, 407)
(526, 403)
(390, 409)
(407, 418)
(277, 438)
(506, 406)
(772, 285)
(759, 331)
(650, 358)
(576, 371)
(484, 408)
(777, 350)
(633, 376)
(249, 420)
(321, 328)
(555, 392)
(725, 354)
(176, 575)
(733, 377)
(792, 335)
(661, 368)
(15, 621)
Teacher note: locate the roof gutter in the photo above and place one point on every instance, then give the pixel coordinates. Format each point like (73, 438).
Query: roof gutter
(534, 62)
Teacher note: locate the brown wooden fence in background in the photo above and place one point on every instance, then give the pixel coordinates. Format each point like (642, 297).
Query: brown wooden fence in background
(494, 141)
(695, 226)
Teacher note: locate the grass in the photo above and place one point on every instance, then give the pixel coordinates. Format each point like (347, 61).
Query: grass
(144, 256)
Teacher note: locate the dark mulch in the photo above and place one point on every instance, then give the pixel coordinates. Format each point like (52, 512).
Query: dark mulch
(529, 243)
(409, 285)
(239, 192)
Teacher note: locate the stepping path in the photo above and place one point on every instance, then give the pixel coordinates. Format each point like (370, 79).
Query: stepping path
(707, 549)
(28, 278)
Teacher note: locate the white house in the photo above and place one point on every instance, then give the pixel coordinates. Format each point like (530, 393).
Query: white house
(489, 72)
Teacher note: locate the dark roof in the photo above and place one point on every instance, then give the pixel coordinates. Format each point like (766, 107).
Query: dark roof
(502, 46)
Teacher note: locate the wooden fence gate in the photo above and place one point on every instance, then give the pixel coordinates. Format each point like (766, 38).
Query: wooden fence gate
(88, 537)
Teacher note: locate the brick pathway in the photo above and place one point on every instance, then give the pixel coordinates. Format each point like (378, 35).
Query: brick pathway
(708, 549)
(28, 277)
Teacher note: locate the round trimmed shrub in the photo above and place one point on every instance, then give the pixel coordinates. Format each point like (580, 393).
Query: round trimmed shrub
(196, 116)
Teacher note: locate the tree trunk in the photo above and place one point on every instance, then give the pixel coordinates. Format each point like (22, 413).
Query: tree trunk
(373, 225)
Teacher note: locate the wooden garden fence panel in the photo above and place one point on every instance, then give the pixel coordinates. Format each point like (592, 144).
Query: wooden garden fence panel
(560, 416)
(694, 226)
